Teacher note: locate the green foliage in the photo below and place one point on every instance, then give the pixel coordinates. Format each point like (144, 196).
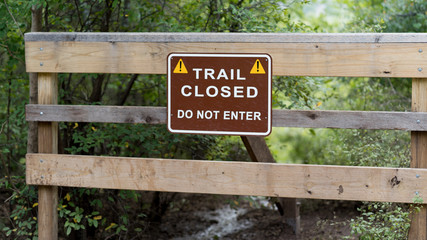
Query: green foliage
(13, 85)
(361, 147)
(232, 16)
(323, 15)
(297, 92)
(137, 140)
(228, 148)
(80, 209)
(23, 220)
(87, 209)
(389, 16)
(74, 216)
(381, 221)
(376, 148)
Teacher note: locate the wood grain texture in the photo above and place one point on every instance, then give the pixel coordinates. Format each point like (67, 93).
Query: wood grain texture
(259, 152)
(418, 228)
(289, 59)
(47, 212)
(48, 94)
(409, 121)
(47, 143)
(257, 149)
(375, 120)
(106, 114)
(228, 37)
(234, 178)
(47, 88)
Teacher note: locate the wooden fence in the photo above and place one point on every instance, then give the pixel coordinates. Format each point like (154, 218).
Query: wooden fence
(347, 55)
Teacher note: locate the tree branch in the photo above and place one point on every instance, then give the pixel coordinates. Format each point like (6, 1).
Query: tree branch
(127, 91)
(10, 13)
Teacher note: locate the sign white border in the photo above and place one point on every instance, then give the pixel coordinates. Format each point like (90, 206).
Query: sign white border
(169, 72)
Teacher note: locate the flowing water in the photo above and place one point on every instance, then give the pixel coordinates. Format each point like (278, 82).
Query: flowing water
(225, 221)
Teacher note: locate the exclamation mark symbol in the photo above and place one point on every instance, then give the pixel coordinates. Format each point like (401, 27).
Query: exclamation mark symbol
(180, 67)
(257, 68)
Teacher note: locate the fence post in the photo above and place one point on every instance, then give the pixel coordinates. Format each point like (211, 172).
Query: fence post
(259, 152)
(48, 143)
(419, 155)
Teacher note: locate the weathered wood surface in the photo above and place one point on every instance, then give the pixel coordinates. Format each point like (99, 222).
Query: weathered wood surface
(289, 207)
(348, 59)
(47, 143)
(350, 119)
(418, 228)
(410, 121)
(375, 55)
(257, 149)
(105, 114)
(228, 37)
(234, 178)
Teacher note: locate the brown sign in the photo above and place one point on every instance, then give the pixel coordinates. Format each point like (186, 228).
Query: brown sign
(226, 94)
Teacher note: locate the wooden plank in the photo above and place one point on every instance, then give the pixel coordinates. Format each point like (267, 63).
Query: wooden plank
(292, 213)
(234, 178)
(409, 121)
(418, 228)
(289, 59)
(257, 149)
(259, 152)
(48, 143)
(228, 37)
(375, 120)
(105, 114)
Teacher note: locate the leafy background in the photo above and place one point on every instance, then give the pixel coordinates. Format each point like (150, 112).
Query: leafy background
(94, 213)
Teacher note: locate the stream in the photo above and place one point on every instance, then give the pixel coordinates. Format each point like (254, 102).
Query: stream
(225, 221)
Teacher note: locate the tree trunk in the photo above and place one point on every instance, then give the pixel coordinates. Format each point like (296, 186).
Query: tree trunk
(36, 26)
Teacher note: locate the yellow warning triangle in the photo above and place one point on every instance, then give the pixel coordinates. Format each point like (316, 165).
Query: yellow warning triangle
(180, 67)
(257, 68)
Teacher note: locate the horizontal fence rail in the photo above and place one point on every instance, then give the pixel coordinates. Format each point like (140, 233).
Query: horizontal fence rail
(409, 121)
(235, 178)
(347, 55)
(164, 37)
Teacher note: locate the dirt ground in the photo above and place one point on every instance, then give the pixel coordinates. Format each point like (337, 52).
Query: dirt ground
(204, 216)
(232, 217)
